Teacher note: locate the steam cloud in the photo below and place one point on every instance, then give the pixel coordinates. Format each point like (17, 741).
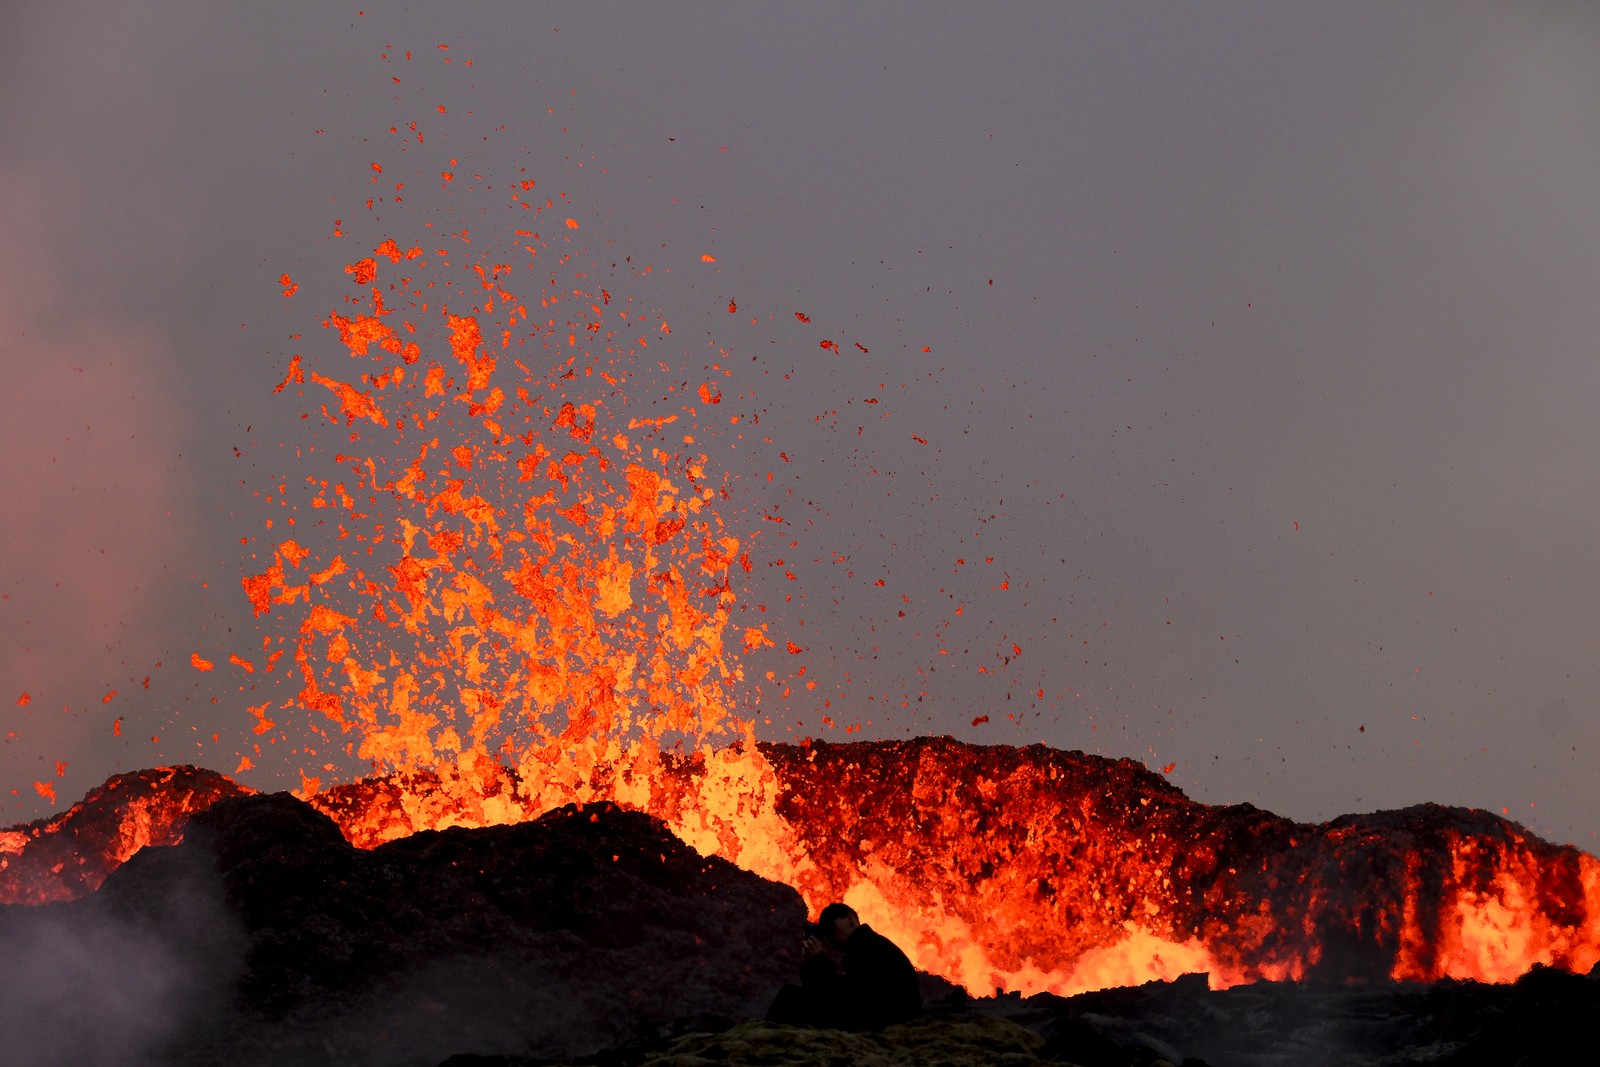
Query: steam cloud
(92, 486)
(110, 983)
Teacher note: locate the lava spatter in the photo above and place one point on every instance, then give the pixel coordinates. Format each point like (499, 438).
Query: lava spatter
(502, 582)
(528, 581)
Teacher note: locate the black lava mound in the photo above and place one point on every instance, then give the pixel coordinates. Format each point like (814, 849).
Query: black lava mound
(264, 938)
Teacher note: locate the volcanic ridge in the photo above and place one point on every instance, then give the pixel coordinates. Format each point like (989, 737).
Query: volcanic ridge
(172, 916)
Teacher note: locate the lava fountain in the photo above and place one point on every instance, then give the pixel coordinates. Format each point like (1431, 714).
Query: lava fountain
(508, 588)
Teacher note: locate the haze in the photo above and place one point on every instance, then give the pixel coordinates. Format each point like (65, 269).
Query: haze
(1254, 344)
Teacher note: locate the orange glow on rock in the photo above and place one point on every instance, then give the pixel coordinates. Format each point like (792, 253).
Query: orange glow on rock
(1022, 869)
(520, 594)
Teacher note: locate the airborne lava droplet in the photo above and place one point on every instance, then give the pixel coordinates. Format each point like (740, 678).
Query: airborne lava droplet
(518, 585)
(364, 270)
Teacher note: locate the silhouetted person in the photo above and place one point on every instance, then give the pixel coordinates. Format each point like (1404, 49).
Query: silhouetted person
(852, 978)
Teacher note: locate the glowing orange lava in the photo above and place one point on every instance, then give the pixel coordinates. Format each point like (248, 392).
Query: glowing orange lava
(510, 587)
(527, 604)
(517, 574)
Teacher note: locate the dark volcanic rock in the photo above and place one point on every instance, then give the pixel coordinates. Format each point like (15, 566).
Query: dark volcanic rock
(970, 1041)
(265, 938)
(113, 978)
(68, 855)
(1542, 1019)
(1048, 856)
(588, 927)
(1546, 1019)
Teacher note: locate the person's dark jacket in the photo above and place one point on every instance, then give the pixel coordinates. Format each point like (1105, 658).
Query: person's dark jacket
(873, 986)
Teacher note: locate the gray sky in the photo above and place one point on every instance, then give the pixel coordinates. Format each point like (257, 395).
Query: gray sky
(1261, 354)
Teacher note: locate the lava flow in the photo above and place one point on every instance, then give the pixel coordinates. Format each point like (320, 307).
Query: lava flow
(1026, 869)
(507, 591)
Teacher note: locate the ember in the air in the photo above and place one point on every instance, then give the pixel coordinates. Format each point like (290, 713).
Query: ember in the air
(507, 591)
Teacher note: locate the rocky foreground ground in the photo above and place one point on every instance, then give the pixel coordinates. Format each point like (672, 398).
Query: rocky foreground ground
(592, 935)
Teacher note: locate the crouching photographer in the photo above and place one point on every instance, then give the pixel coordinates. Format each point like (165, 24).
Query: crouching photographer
(851, 977)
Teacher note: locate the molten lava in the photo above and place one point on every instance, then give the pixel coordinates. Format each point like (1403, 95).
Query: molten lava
(70, 855)
(508, 590)
(521, 575)
(1026, 869)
